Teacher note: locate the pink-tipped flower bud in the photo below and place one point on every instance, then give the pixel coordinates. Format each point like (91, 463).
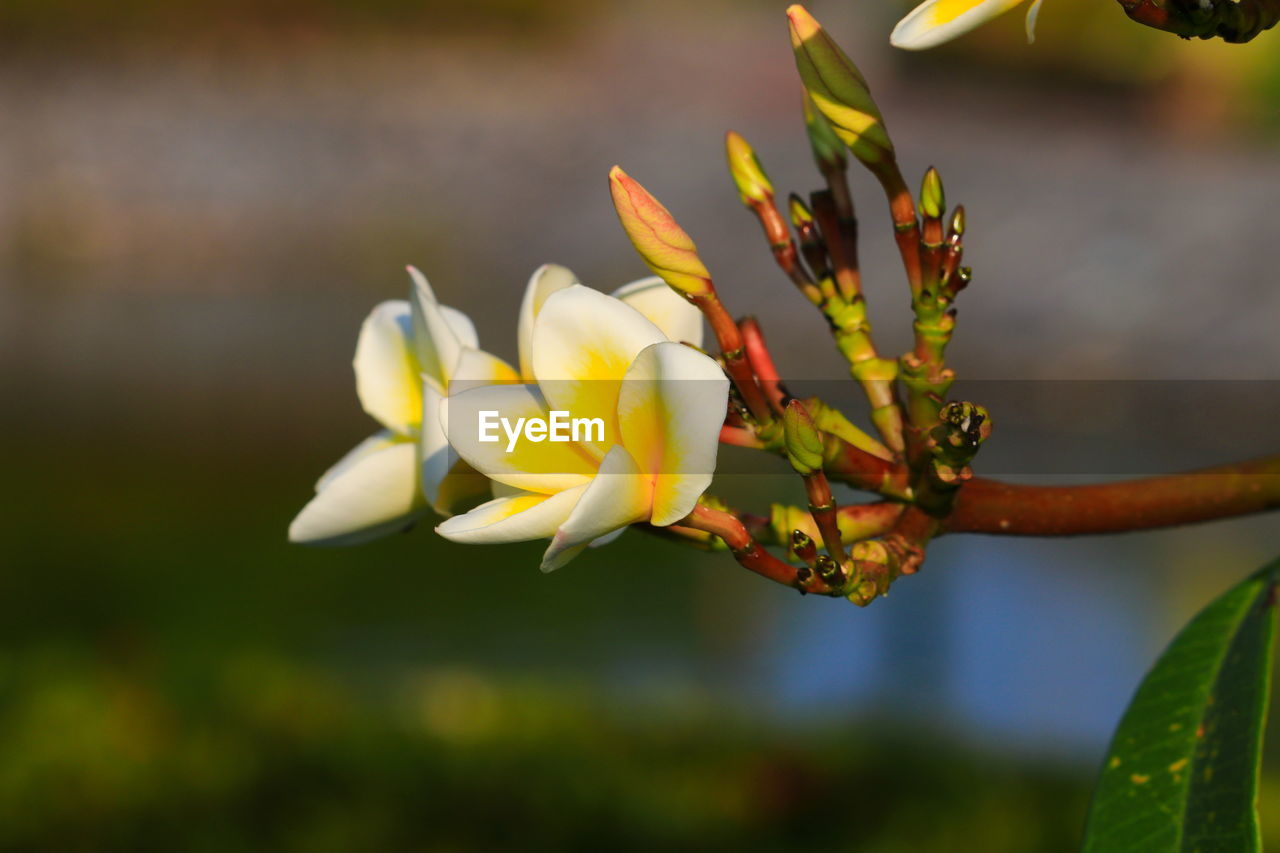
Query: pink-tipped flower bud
(663, 245)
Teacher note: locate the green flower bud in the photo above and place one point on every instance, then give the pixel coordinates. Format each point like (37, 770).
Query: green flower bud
(933, 201)
(753, 184)
(799, 212)
(802, 439)
(838, 90)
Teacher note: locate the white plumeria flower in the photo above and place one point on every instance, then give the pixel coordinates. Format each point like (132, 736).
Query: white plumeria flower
(936, 21)
(407, 355)
(661, 405)
(652, 297)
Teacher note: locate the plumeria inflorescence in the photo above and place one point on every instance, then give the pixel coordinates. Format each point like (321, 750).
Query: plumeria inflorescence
(629, 367)
(631, 363)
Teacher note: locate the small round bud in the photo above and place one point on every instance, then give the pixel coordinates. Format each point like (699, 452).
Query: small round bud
(933, 200)
(803, 547)
(799, 213)
(829, 571)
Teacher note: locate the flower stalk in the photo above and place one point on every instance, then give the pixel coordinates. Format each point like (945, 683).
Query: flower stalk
(756, 193)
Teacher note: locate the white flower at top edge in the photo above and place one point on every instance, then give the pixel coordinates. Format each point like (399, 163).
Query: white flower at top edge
(936, 21)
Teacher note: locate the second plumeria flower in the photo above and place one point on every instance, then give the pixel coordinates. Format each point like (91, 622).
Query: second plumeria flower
(408, 355)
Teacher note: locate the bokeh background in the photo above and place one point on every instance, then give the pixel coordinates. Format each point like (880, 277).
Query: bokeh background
(200, 201)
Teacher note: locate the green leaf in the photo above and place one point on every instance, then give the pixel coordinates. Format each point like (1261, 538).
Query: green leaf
(1181, 773)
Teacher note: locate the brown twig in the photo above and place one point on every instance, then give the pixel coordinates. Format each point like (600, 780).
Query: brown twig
(906, 229)
(751, 555)
(990, 506)
(762, 364)
(729, 338)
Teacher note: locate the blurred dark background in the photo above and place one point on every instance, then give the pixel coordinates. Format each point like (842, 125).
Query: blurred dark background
(199, 202)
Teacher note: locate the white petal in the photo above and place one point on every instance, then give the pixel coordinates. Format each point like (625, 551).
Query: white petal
(375, 495)
(543, 466)
(619, 495)
(1033, 14)
(936, 21)
(434, 451)
(435, 342)
(512, 519)
(386, 369)
(462, 487)
(377, 441)
(461, 326)
(477, 368)
(583, 343)
(666, 309)
(546, 280)
(447, 480)
(671, 408)
(601, 541)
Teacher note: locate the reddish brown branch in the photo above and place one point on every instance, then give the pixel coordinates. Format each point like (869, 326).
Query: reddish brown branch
(862, 470)
(989, 506)
(761, 361)
(750, 554)
(729, 338)
(906, 228)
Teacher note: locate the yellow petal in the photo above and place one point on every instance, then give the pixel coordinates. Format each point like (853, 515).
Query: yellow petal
(544, 466)
(671, 407)
(583, 344)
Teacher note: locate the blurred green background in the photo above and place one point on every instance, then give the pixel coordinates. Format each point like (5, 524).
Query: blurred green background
(198, 204)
